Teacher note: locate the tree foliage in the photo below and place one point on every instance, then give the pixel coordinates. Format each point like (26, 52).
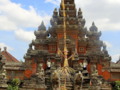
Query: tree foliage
(117, 85)
(14, 84)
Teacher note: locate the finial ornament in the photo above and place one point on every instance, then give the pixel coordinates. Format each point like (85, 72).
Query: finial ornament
(79, 9)
(55, 10)
(93, 27)
(93, 24)
(42, 26)
(5, 49)
(80, 13)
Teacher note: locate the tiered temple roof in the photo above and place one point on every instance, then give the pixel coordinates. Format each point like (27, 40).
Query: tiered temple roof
(67, 39)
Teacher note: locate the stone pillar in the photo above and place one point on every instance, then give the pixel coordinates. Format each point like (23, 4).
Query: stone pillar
(3, 79)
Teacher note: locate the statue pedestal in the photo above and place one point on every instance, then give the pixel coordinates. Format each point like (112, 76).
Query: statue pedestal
(3, 86)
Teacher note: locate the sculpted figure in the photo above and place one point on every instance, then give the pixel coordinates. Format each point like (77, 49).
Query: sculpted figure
(80, 66)
(2, 68)
(78, 80)
(40, 67)
(94, 71)
(95, 81)
(40, 74)
(55, 80)
(53, 66)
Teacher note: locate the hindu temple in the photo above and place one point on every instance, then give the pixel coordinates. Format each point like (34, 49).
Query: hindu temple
(66, 56)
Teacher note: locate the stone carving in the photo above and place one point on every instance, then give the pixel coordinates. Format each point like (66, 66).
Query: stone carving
(2, 69)
(55, 79)
(40, 74)
(78, 81)
(3, 78)
(94, 71)
(53, 67)
(95, 80)
(78, 78)
(80, 66)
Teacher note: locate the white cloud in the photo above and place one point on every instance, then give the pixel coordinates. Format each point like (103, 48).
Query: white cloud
(15, 18)
(13, 15)
(113, 1)
(104, 13)
(6, 24)
(56, 2)
(115, 57)
(25, 35)
(2, 45)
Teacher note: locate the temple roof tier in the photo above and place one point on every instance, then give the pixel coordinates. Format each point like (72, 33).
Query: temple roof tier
(95, 33)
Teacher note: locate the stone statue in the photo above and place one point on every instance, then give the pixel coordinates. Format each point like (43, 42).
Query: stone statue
(55, 80)
(40, 74)
(4, 74)
(94, 80)
(80, 66)
(53, 67)
(2, 70)
(40, 67)
(3, 78)
(94, 71)
(78, 80)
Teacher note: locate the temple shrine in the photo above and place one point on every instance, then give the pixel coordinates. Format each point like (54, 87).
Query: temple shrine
(66, 56)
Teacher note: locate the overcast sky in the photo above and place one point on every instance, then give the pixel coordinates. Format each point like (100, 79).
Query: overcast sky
(20, 18)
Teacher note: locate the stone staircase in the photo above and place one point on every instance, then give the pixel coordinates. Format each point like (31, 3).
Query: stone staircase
(69, 84)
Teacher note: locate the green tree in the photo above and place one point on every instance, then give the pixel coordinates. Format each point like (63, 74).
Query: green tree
(117, 85)
(14, 84)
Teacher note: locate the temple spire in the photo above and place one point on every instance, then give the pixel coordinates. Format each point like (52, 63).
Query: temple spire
(70, 12)
(80, 13)
(42, 26)
(93, 27)
(5, 49)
